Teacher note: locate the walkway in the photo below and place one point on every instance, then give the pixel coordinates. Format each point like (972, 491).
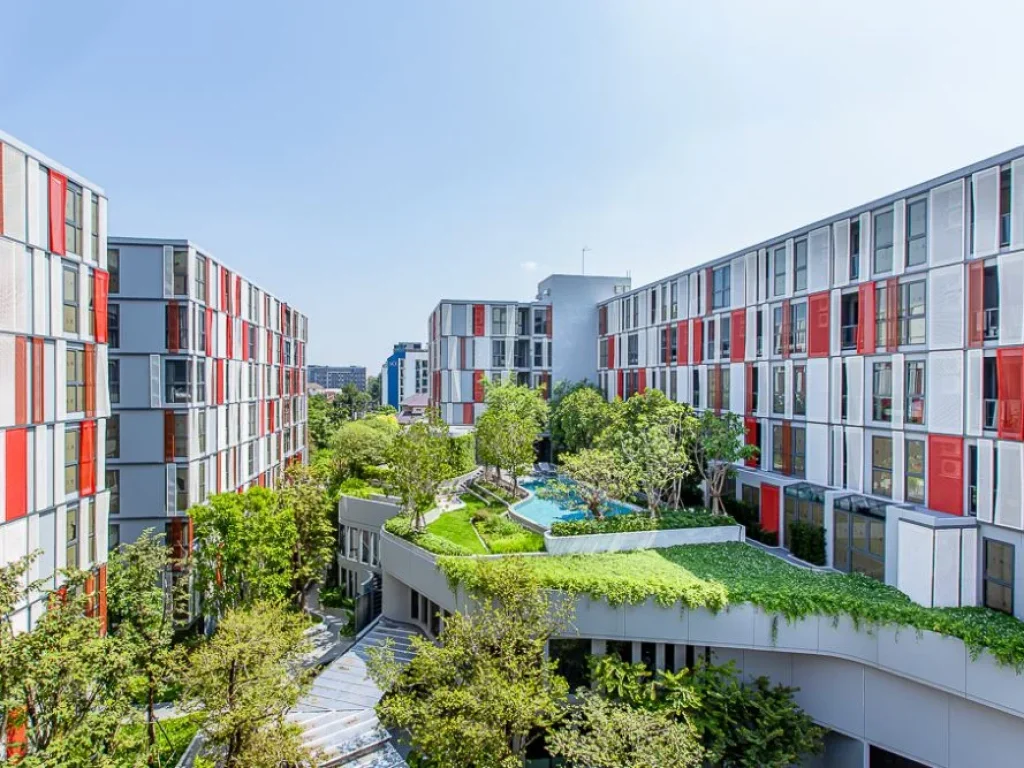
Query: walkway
(337, 715)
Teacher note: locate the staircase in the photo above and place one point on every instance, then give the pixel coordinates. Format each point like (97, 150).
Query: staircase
(337, 715)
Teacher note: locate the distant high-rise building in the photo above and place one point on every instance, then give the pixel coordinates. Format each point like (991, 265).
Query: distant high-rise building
(406, 373)
(337, 376)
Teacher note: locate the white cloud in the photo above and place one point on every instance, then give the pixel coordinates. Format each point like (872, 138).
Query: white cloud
(529, 266)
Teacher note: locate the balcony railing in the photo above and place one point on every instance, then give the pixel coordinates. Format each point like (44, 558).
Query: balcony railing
(991, 406)
(848, 336)
(992, 324)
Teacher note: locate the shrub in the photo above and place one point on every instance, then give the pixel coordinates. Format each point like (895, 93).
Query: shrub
(334, 597)
(359, 488)
(641, 521)
(401, 526)
(807, 541)
(749, 517)
(461, 455)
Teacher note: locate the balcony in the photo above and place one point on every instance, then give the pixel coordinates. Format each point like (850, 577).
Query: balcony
(848, 336)
(991, 332)
(991, 406)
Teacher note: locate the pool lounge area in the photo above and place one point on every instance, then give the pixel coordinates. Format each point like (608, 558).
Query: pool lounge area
(544, 512)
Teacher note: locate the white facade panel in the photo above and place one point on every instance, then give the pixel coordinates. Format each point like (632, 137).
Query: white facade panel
(1017, 204)
(899, 259)
(1009, 510)
(915, 572)
(947, 568)
(986, 458)
(946, 291)
(972, 399)
(751, 279)
(737, 289)
(817, 464)
(841, 253)
(818, 258)
(946, 224)
(14, 191)
(855, 390)
(855, 458)
(986, 212)
(1011, 298)
(737, 388)
(945, 385)
(817, 391)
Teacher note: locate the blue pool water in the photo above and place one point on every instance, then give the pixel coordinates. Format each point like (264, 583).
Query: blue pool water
(547, 511)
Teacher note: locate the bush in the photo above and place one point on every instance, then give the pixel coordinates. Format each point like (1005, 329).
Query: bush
(361, 489)
(401, 526)
(334, 597)
(748, 516)
(641, 521)
(807, 542)
(461, 455)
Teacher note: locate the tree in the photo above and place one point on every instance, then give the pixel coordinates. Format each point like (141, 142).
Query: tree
(718, 445)
(142, 615)
(318, 421)
(480, 697)
(358, 445)
(609, 734)
(306, 499)
(595, 478)
(244, 548)
(510, 427)
(355, 401)
(373, 389)
(419, 465)
(13, 578)
(579, 414)
(245, 678)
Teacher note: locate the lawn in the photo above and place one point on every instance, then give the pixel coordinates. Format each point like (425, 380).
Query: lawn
(457, 527)
(173, 737)
(714, 576)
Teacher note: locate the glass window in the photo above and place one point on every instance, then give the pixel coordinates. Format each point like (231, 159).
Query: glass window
(915, 471)
(180, 262)
(883, 241)
(855, 249)
(1005, 197)
(632, 349)
(779, 389)
(90, 302)
(797, 451)
(540, 319)
(800, 265)
(176, 323)
(695, 393)
(113, 436)
(778, 460)
(177, 381)
(915, 391)
(674, 299)
(71, 523)
(113, 536)
(779, 263)
(777, 328)
(721, 278)
(73, 219)
(499, 321)
(181, 434)
(114, 325)
(726, 333)
(859, 537)
(113, 483)
(538, 354)
(654, 305)
(881, 314)
(881, 465)
(181, 488)
(498, 353)
(917, 232)
(999, 566)
(114, 268)
(71, 299)
(201, 429)
(71, 459)
(202, 482)
(709, 341)
(755, 392)
(881, 392)
(798, 328)
(912, 313)
(75, 380)
(799, 390)
(201, 278)
(849, 306)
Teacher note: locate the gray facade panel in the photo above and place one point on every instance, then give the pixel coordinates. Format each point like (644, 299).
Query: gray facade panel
(134, 381)
(143, 326)
(142, 437)
(142, 270)
(143, 492)
(460, 325)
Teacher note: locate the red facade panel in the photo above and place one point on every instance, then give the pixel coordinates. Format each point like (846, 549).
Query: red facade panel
(229, 338)
(220, 382)
(739, 336)
(87, 463)
(976, 304)
(225, 290)
(698, 341)
(1010, 369)
(621, 384)
(478, 386)
(610, 363)
(58, 201)
(101, 284)
(750, 435)
(245, 340)
(16, 473)
(479, 325)
(238, 294)
(818, 324)
(892, 314)
(866, 319)
(550, 320)
(683, 342)
(172, 326)
(770, 499)
(467, 413)
(641, 385)
(946, 474)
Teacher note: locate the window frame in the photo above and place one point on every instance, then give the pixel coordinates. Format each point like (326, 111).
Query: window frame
(910, 395)
(74, 385)
(179, 272)
(170, 362)
(877, 246)
(72, 533)
(908, 474)
(798, 269)
(114, 269)
(112, 437)
(72, 432)
(878, 412)
(73, 218)
(778, 392)
(911, 238)
(908, 315)
(776, 274)
(72, 305)
(800, 390)
(986, 579)
(721, 287)
(879, 471)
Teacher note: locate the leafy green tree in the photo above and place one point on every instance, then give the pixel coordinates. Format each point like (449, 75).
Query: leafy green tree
(318, 421)
(510, 427)
(356, 402)
(578, 417)
(718, 445)
(373, 389)
(142, 616)
(419, 465)
(599, 732)
(244, 547)
(480, 697)
(245, 678)
(306, 500)
(358, 445)
(596, 477)
(13, 578)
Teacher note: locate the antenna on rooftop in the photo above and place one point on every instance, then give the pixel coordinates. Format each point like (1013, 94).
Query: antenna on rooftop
(583, 259)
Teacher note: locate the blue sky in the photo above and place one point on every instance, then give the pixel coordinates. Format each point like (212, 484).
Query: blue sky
(363, 160)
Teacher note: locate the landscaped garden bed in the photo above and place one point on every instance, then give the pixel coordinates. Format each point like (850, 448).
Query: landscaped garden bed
(716, 576)
(641, 521)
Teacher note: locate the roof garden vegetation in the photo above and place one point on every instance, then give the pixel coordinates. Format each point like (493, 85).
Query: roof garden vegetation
(633, 523)
(715, 576)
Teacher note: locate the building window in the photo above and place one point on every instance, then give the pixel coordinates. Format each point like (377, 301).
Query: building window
(180, 270)
(654, 305)
(779, 265)
(113, 436)
(177, 383)
(881, 392)
(422, 375)
(799, 390)
(991, 302)
(202, 483)
(71, 459)
(917, 232)
(73, 219)
(664, 346)
(176, 323)
(798, 328)
(181, 488)
(912, 313)
(779, 390)
(499, 321)
(201, 278)
(800, 265)
(709, 341)
(759, 322)
(520, 355)
(1005, 197)
(114, 325)
(778, 461)
(999, 575)
(695, 394)
(71, 523)
(883, 241)
(181, 434)
(881, 465)
(990, 391)
(540, 319)
(75, 380)
(855, 249)
(777, 328)
(522, 321)
(858, 540)
(915, 471)
(849, 312)
(755, 391)
(674, 299)
(113, 483)
(844, 392)
(881, 314)
(797, 451)
(201, 334)
(632, 349)
(71, 299)
(915, 391)
(972, 480)
(498, 353)
(721, 279)
(114, 268)
(201, 429)
(725, 325)
(90, 302)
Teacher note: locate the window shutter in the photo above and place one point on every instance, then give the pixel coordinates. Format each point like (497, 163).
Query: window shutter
(986, 212)
(58, 201)
(87, 459)
(892, 314)
(38, 382)
(169, 447)
(698, 341)
(101, 283)
(866, 319)
(172, 326)
(818, 306)
(1010, 365)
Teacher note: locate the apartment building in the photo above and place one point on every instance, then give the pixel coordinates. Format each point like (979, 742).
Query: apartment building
(877, 357)
(405, 373)
(207, 384)
(474, 341)
(53, 373)
(338, 376)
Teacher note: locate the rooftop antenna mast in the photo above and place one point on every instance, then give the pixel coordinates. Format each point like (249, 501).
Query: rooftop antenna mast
(583, 259)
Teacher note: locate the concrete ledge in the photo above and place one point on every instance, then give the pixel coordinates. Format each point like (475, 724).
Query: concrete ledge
(624, 542)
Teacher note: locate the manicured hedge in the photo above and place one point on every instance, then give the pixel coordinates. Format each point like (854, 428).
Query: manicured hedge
(807, 542)
(641, 521)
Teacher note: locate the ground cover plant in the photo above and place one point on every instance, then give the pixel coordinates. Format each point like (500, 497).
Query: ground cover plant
(631, 523)
(714, 576)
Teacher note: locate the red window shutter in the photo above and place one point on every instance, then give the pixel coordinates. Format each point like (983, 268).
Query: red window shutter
(270, 416)
(750, 436)
(478, 386)
(550, 321)
(210, 333)
(866, 319)
(785, 328)
(38, 379)
(101, 284)
(621, 382)
(16, 473)
(770, 507)
(172, 326)
(641, 386)
(818, 324)
(479, 325)
(467, 413)
(739, 336)
(90, 380)
(245, 340)
(787, 448)
(20, 380)
(976, 304)
(1010, 369)
(892, 319)
(238, 295)
(87, 462)
(610, 362)
(683, 342)
(177, 550)
(101, 578)
(220, 382)
(169, 447)
(698, 341)
(946, 473)
(58, 201)
(270, 347)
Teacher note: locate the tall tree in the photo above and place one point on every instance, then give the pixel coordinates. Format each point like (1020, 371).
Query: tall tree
(596, 477)
(306, 499)
(510, 427)
(245, 678)
(480, 697)
(13, 586)
(419, 465)
(318, 421)
(142, 617)
(578, 417)
(718, 446)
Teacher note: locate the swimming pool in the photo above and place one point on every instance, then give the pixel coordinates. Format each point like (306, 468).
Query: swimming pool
(544, 512)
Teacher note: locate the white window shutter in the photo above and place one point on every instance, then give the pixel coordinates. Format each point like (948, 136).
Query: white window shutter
(986, 212)
(841, 253)
(168, 271)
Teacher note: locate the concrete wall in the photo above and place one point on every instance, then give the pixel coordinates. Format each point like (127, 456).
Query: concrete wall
(621, 542)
